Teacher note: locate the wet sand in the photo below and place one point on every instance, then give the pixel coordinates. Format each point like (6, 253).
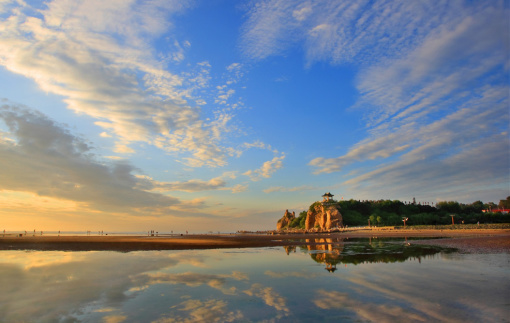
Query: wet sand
(477, 241)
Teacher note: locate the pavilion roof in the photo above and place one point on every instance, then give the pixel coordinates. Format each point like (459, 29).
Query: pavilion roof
(328, 194)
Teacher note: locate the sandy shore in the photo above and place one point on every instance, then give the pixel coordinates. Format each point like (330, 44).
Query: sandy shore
(486, 241)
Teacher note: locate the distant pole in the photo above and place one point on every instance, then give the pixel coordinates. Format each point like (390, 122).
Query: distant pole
(405, 219)
(452, 215)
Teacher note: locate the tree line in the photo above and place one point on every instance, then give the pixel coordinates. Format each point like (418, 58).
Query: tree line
(392, 213)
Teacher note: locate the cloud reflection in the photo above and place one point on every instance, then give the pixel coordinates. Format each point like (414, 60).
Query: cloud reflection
(270, 297)
(367, 311)
(61, 286)
(440, 301)
(219, 286)
(189, 279)
(209, 311)
(114, 319)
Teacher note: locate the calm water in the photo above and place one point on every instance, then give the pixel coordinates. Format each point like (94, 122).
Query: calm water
(342, 281)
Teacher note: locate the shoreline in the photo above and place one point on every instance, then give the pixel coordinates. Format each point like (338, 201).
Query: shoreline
(466, 240)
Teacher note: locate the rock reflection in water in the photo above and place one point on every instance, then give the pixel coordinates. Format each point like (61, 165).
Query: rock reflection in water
(326, 251)
(332, 252)
(289, 249)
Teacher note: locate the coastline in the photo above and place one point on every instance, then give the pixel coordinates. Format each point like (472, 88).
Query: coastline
(466, 240)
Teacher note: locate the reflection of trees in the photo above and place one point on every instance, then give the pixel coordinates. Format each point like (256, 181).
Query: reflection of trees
(357, 251)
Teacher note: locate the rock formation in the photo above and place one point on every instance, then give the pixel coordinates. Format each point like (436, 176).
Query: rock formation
(285, 220)
(323, 216)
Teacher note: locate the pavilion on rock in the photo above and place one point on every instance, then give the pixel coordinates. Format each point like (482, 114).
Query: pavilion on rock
(328, 196)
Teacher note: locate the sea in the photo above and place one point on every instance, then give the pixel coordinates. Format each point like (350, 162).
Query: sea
(330, 280)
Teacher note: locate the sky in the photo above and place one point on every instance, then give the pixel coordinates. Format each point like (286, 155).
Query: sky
(217, 115)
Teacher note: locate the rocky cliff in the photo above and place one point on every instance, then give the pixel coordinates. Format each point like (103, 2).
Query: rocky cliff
(285, 220)
(323, 216)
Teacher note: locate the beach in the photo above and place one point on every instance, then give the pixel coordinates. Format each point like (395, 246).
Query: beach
(471, 240)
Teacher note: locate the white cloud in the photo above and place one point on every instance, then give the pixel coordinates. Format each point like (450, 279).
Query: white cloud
(267, 169)
(433, 78)
(443, 100)
(98, 56)
(287, 189)
(193, 185)
(340, 31)
(239, 188)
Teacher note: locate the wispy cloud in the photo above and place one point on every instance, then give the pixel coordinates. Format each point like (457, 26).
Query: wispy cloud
(193, 185)
(442, 110)
(341, 31)
(270, 297)
(433, 81)
(98, 56)
(287, 189)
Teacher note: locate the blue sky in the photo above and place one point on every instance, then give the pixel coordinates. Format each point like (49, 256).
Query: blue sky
(219, 115)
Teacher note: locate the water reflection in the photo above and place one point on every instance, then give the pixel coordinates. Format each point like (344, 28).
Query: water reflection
(326, 251)
(388, 283)
(332, 252)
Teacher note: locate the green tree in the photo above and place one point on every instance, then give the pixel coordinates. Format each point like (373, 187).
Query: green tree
(299, 222)
(353, 218)
(449, 207)
(372, 219)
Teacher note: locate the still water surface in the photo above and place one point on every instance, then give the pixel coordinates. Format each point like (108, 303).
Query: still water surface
(356, 280)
